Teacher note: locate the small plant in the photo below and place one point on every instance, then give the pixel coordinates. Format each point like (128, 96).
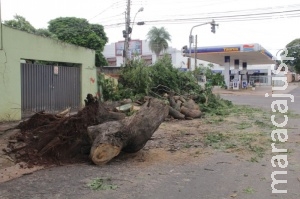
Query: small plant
(254, 159)
(249, 190)
(258, 150)
(259, 123)
(230, 145)
(101, 184)
(187, 145)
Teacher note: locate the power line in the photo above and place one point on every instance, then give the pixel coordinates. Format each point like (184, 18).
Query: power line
(113, 4)
(245, 11)
(225, 18)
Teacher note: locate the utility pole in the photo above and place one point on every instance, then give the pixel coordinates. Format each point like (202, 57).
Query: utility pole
(196, 52)
(127, 27)
(1, 37)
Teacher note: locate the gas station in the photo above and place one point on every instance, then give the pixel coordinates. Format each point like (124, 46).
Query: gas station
(237, 56)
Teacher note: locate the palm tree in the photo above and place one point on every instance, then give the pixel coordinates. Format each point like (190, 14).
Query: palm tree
(158, 40)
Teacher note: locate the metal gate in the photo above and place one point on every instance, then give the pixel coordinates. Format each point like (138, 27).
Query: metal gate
(49, 88)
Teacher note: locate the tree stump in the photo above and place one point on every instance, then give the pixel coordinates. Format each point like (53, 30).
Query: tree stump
(128, 135)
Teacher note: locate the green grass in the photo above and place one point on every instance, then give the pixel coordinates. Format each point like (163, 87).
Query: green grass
(241, 129)
(291, 114)
(254, 159)
(230, 146)
(260, 123)
(246, 139)
(187, 145)
(259, 151)
(214, 138)
(244, 125)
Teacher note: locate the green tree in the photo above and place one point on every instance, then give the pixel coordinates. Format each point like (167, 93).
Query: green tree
(293, 51)
(20, 23)
(45, 33)
(80, 32)
(158, 40)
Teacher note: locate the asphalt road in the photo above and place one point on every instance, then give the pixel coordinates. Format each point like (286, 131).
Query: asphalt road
(265, 102)
(217, 176)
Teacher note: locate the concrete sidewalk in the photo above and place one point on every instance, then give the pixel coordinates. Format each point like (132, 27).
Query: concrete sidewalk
(259, 90)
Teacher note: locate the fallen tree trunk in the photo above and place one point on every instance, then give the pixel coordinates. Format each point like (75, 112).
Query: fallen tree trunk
(48, 139)
(128, 135)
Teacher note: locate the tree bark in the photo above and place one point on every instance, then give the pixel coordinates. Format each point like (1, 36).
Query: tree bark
(190, 112)
(191, 104)
(175, 114)
(128, 135)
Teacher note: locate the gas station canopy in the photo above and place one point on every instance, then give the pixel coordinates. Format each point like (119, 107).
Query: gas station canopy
(253, 54)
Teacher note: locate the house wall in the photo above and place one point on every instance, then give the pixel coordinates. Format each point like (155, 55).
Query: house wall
(19, 45)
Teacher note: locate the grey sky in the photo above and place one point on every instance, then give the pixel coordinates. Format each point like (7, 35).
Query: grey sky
(177, 17)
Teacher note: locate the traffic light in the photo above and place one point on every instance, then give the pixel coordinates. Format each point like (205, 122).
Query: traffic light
(124, 33)
(213, 26)
(129, 30)
(184, 50)
(213, 29)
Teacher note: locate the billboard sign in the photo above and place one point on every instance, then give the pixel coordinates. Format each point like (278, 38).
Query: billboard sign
(231, 49)
(248, 47)
(135, 47)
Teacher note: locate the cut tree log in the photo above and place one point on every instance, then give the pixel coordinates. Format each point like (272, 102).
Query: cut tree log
(64, 112)
(182, 99)
(176, 97)
(128, 135)
(111, 105)
(178, 105)
(191, 104)
(172, 101)
(175, 114)
(125, 108)
(190, 112)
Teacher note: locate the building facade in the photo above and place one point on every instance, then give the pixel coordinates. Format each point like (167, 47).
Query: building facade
(22, 82)
(260, 74)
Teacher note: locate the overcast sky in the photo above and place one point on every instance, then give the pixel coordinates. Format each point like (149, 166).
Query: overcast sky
(273, 30)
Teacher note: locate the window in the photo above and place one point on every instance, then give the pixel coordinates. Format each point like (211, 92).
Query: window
(112, 61)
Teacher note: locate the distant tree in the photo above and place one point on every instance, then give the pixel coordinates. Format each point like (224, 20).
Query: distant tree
(158, 40)
(20, 23)
(79, 32)
(45, 33)
(293, 51)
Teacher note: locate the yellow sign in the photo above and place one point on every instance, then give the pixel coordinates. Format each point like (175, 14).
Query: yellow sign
(231, 49)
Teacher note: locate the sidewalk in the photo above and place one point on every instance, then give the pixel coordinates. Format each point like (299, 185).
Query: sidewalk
(259, 90)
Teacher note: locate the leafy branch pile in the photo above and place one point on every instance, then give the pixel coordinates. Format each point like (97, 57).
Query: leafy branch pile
(138, 80)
